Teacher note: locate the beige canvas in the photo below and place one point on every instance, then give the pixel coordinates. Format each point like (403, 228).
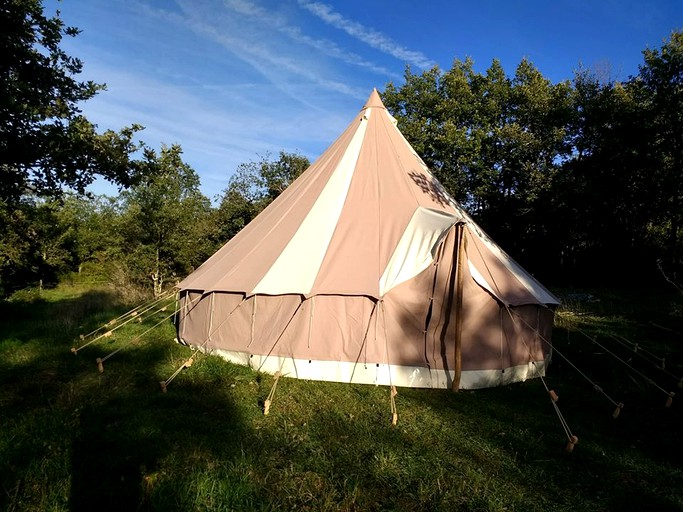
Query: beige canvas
(365, 270)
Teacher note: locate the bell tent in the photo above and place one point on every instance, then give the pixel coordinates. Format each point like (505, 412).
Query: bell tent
(365, 270)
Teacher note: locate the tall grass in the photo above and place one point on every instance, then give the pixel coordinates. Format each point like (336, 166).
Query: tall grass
(74, 439)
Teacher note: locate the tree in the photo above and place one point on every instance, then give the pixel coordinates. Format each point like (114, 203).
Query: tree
(603, 195)
(35, 247)
(45, 142)
(16, 249)
(92, 227)
(254, 186)
(433, 110)
(165, 221)
(494, 142)
(617, 199)
(659, 85)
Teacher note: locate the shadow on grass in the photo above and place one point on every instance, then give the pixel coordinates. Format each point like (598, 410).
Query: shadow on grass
(74, 439)
(513, 435)
(125, 446)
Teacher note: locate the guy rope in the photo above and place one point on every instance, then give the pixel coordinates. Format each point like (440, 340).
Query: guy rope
(670, 395)
(133, 314)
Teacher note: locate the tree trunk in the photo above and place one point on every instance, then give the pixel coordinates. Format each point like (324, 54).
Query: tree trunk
(157, 278)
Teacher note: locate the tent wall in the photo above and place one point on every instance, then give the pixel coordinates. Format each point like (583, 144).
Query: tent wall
(405, 339)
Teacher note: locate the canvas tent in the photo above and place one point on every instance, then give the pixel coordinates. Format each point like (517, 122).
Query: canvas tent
(365, 270)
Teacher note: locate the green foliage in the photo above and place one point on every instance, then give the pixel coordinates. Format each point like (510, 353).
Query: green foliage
(45, 143)
(581, 180)
(35, 246)
(165, 221)
(254, 186)
(494, 142)
(659, 87)
(44, 240)
(93, 226)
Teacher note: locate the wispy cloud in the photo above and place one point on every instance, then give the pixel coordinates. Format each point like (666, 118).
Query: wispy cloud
(217, 133)
(325, 46)
(270, 62)
(367, 35)
(227, 80)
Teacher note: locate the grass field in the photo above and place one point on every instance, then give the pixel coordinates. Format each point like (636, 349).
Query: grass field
(74, 439)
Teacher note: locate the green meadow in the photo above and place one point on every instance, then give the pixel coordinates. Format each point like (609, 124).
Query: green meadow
(72, 438)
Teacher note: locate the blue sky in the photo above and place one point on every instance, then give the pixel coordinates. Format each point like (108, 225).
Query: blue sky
(230, 80)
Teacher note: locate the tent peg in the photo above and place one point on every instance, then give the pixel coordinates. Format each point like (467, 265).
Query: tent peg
(573, 440)
(670, 399)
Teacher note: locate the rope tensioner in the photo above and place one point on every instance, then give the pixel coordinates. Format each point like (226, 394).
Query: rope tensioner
(269, 400)
(657, 361)
(553, 396)
(670, 399)
(164, 383)
(394, 411)
(122, 320)
(134, 341)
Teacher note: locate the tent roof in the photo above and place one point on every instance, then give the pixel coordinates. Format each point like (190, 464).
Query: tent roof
(363, 218)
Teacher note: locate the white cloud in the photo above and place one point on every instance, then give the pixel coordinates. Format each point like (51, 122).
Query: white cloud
(256, 52)
(325, 46)
(367, 35)
(224, 86)
(216, 136)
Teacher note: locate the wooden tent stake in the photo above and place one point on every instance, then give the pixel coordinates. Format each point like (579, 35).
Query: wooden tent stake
(394, 411)
(271, 395)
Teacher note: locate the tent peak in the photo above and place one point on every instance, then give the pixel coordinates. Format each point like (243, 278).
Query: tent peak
(374, 101)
